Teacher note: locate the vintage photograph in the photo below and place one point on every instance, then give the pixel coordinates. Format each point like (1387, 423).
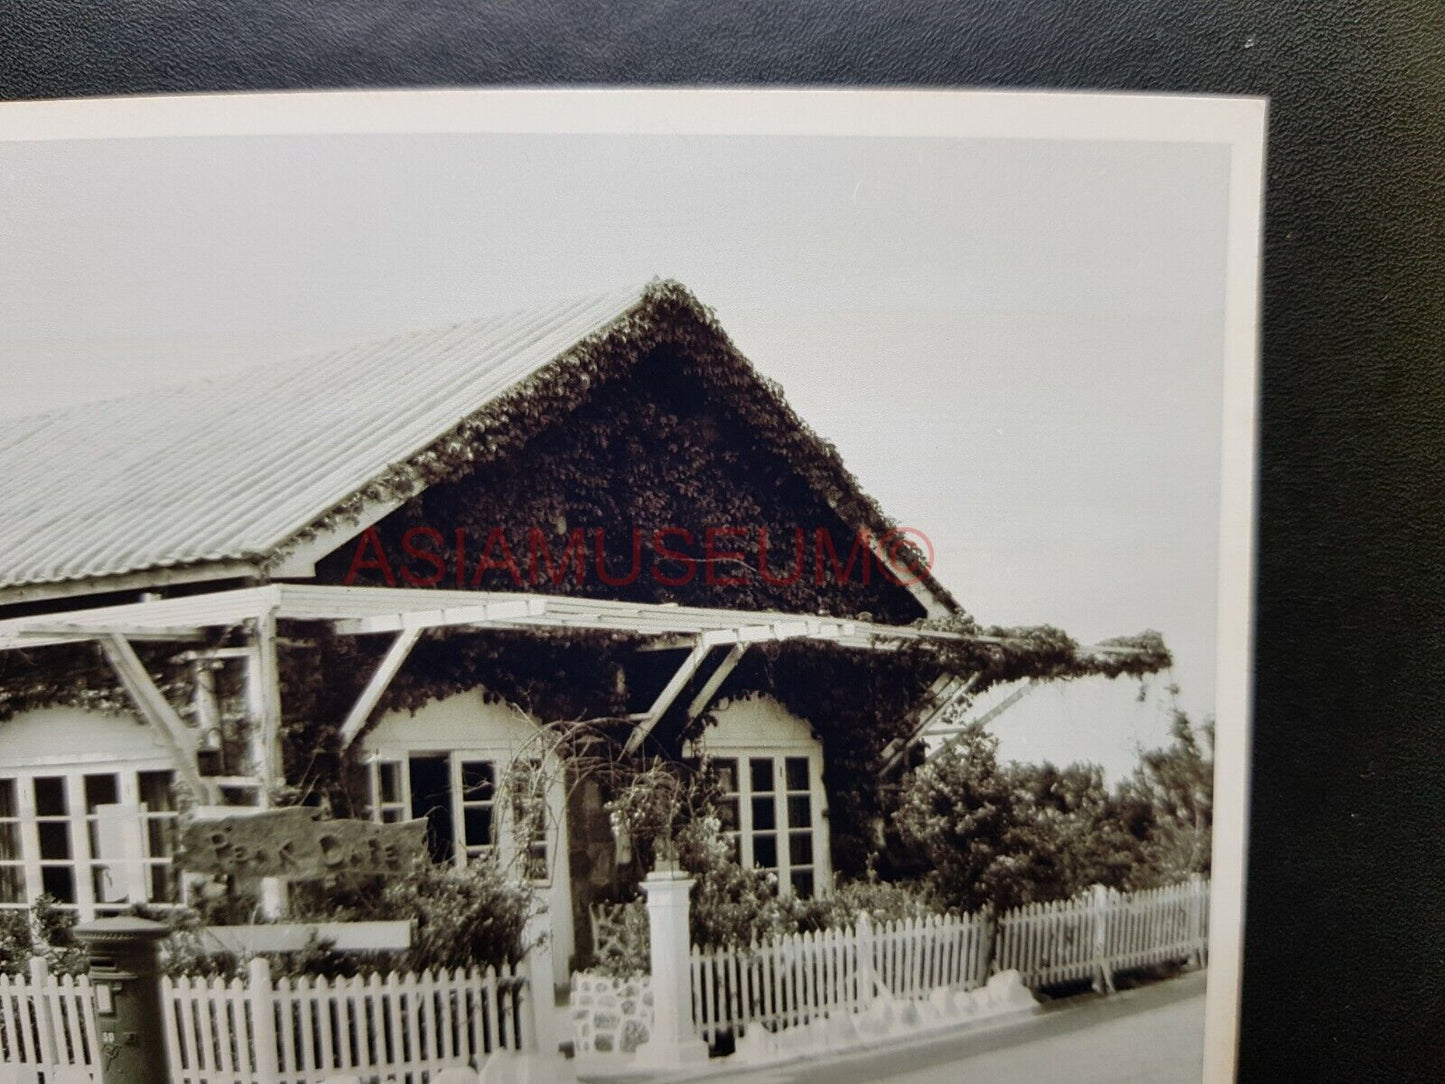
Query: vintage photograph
(624, 586)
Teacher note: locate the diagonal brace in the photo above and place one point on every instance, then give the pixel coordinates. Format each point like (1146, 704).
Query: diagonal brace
(157, 711)
(371, 695)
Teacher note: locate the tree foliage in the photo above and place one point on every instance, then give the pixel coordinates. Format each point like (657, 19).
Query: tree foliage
(1004, 834)
(1169, 802)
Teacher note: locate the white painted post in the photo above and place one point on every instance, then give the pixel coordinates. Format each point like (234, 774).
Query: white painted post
(1104, 982)
(549, 1028)
(1196, 918)
(40, 997)
(865, 960)
(673, 1042)
(263, 1020)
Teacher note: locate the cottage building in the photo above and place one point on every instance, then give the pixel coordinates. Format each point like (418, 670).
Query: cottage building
(383, 580)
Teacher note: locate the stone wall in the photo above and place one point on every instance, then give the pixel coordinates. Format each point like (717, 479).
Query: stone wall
(610, 1015)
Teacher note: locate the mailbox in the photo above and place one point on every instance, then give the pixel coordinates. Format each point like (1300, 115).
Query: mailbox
(125, 975)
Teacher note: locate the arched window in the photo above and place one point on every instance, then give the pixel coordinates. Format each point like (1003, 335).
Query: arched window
(769, 767)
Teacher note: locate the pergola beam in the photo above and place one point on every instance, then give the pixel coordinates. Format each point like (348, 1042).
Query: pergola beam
(73, 631)
(414, 620)
(992, 713)
(950, 693)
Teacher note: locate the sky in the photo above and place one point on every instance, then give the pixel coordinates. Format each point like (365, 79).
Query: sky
(1016, 345)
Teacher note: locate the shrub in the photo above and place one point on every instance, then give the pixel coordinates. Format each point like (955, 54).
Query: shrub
(17, 944)
(462, 916)
(883, 901)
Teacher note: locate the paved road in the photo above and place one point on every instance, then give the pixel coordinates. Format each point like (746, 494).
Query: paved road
(1152, 1035)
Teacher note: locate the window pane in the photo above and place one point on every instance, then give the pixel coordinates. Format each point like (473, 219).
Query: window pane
(391, 816)
(100, 790)
(8, 807)
(727, 811)
(59, 881)
(54, 839)
(12, 884)
(10, 842)
(796, 769)
(106, 884)
(800, 811)
(760, 773)
(478, 826)
(534, 867)
(765, 850)
(50, 797)
(479, 780)
(725, 771)
(389, 775)
(764, 813)
(155, 791)
(164, 884)
(160, 837)
(800, 848)
(802, 882)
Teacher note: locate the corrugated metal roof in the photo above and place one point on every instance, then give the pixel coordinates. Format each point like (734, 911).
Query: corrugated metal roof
(230, 467)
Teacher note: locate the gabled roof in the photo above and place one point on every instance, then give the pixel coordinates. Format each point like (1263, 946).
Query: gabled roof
(238, 467)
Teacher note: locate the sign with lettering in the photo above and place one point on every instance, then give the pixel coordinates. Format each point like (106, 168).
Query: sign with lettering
(296, 844)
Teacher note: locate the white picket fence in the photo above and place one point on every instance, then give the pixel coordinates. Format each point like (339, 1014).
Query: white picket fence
(47, 1023)
(792, 979)
(1103, 932)
(400, 1028)
(789, 980)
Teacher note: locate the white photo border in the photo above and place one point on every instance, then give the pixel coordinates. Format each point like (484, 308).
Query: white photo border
(1236, 122)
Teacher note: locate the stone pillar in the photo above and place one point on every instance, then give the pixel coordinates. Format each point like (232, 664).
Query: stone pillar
(673, 1042)
(130, 1016)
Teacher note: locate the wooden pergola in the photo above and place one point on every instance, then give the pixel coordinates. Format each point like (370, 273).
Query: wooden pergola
(405, 615)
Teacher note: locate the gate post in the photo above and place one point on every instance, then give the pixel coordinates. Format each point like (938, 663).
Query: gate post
(260, 993)
(40, 982)
(673, 1042)
(548, 1030)
(1104, 981)
(867, 980)
(130, 1014)
(1198, 936)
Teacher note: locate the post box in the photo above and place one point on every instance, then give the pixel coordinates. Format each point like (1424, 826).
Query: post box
(126, 979)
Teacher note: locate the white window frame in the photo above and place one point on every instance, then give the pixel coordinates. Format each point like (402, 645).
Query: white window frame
(505, 843)
(136, 864)
(741, 743)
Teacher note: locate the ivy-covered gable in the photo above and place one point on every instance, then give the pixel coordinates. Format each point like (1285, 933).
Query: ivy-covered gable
(652, 490)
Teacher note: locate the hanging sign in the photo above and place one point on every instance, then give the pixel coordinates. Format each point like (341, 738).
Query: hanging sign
(297, 844)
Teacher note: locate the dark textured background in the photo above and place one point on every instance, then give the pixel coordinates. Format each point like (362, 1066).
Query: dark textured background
(1345, 947)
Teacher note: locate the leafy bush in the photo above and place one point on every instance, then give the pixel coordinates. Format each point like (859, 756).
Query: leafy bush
(883, 901)
(730, 905)
(17, 944)
(1007, 834)
(462, 915)
(45, 930)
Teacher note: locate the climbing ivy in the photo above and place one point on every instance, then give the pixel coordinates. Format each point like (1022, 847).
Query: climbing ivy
(672, 340)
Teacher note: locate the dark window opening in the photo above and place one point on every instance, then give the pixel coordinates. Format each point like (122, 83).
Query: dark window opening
(431, 797)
